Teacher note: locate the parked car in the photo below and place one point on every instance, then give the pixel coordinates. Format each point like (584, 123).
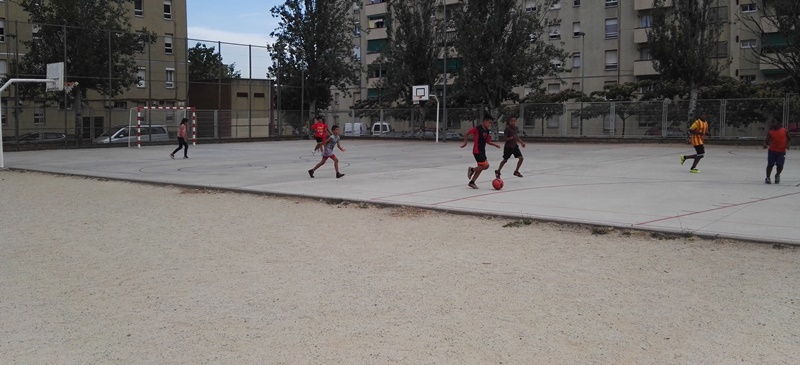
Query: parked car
(42, 137)
(125, 134)
(451, 135)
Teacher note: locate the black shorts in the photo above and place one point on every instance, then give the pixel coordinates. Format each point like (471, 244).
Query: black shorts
(480, 157)
(319, 139)
(700, 149)
(508, 151)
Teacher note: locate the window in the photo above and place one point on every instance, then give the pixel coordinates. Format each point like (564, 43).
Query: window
(645, 21)
(644, 54)
(120, 105)
(4, 121)
(612, 28)
(721, 50)
(576, 60)
(555, 5)
(611, 60)
(141, 77)
(38, 114)
(554, 32)
(378, 72)
(168, 9)
(575, 120)
(557, 64)
(241, 95)
(357, 53)
(748, 78)
(259, 95)
(530, 6)
(576, 3)
(356, 30)
(2, 30)
(576, 86)
(749, 8)
(138, 8)
(376, 45)
(749, 43)
(168, 43)
(553, 88)
(719, 14)
(3, 68)
(611, 3)
(170, 77)
(377, 23)
(576, 29)
(35, 28)
(553, 121)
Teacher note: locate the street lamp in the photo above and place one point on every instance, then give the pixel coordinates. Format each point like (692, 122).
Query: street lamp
(583, 67)
(583, 55)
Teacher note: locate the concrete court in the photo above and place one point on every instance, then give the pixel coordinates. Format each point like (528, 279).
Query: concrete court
(641, 186)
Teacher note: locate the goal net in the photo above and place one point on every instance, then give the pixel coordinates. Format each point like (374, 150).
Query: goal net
(160, 123)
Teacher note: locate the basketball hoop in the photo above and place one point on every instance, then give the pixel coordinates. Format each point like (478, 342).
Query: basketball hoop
(68, 86)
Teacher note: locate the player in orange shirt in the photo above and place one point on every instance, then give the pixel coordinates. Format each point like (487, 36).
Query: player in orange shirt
(697, 132)
(777, 141)
(321, 131)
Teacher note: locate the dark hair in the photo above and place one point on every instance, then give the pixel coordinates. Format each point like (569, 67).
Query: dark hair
(335, 127)
(487, 117)
(184, 120)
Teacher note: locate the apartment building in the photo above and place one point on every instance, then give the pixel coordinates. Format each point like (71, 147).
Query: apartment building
(162, 72)
(606, 40)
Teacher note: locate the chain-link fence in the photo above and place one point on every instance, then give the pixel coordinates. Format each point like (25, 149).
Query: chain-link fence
(228, 86)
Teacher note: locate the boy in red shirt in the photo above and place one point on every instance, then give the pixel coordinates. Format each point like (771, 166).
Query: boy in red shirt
(482, 138)
(777, 141)
(320, 132)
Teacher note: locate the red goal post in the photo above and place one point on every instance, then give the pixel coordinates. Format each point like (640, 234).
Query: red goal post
(184, 108)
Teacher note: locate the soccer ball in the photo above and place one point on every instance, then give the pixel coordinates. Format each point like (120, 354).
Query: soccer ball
(497, 184)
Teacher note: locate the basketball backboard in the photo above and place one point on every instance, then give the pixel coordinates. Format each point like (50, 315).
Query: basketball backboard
(419, 93)
(55, 76)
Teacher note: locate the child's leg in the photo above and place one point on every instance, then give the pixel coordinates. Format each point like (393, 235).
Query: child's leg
(481, 166)
(322, 162)
(519, 163)
(502, 163)
(335, 164)
(696, 161)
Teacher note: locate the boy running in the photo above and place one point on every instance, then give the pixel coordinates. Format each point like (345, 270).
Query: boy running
(511, 148)
(481, 138)
(777, 141)
(320, 132)
(697, 132)
(327, 152)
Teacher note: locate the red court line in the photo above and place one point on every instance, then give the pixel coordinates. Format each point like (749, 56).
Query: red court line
(715, 209)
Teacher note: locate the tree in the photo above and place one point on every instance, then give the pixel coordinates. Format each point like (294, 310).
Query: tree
(413, 49)
(501, 47)
(206, 64)
(684, 41)
(778, 28)
(86, 48)
(95, 42)
(313, 51)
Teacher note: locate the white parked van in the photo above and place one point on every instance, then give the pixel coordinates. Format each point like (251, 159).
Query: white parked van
(380, 128)
(125, 134)
(355, 129)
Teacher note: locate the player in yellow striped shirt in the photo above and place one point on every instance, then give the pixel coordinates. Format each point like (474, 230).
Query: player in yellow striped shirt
(697, 132)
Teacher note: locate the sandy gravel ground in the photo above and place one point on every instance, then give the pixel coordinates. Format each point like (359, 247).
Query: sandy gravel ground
(107, 272)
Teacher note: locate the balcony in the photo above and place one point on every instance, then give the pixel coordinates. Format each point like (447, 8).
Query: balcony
(372, 57)
(372, 82)
(376, 7)
(768, 25)
(646, 4)
(452, 2)
(644, 68)
(640, 35)
(377, 33)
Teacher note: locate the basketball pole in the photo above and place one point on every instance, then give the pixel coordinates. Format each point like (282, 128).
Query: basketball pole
(2, 89)
(437, 117)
